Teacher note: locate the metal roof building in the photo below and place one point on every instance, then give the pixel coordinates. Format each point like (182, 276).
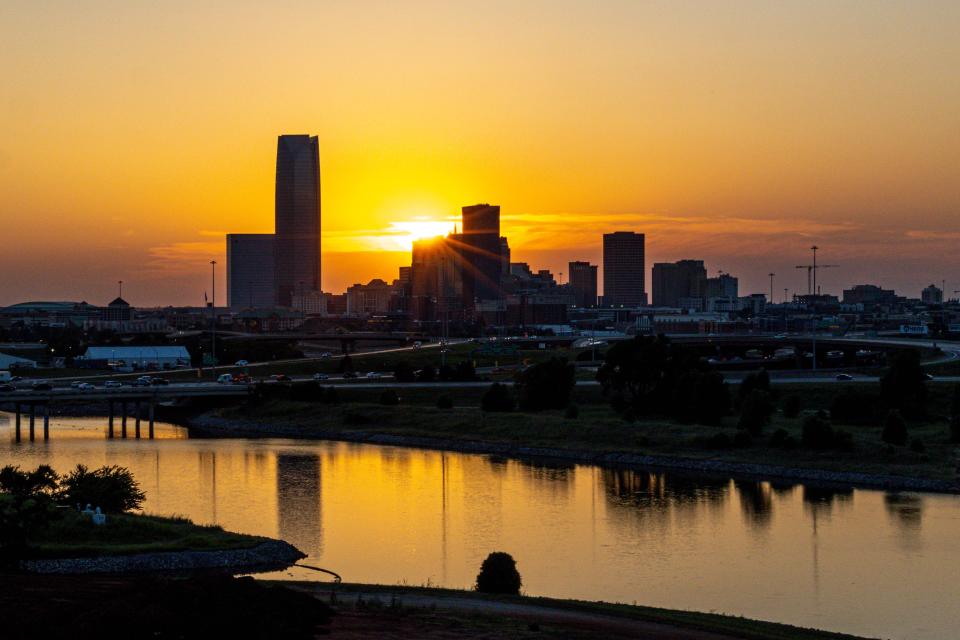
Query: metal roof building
(141, 356)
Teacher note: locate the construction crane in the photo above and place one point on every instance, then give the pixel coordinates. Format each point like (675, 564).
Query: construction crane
(812, 270)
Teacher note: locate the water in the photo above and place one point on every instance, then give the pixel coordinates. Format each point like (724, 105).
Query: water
(864, 562)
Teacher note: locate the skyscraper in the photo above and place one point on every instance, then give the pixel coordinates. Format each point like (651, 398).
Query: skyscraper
(297, 211)
(583, 282)
(675, 280)
(623, 269)
(481, 252)
(250, 273)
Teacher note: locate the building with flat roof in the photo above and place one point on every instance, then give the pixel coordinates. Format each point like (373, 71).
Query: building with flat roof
(481, 244)
(673, 281)
(623, 269)
(250, 270)
(583, 283)
(297, 213)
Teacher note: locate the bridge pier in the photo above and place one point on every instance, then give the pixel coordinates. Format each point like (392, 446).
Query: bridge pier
(110, 419)
(17, 427)
(136, 427)
(123, 419)
(46, 422)
(33, 415)
(150, 427)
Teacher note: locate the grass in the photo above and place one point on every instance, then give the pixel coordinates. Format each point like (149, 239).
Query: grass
(712, 622)
(72, 535)
(601, 430)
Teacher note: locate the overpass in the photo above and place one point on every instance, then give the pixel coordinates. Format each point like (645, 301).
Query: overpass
(28, 400)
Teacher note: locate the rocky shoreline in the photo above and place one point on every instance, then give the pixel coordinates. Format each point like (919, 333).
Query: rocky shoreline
(269, 555)
(208, 424)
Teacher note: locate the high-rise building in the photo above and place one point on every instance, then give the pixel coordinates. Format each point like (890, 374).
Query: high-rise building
(673, 281)
(723, 286)
(436, 278)
(623, 269)
(297, 211)
(250, 274)
(583, 282)
(932, 295)
(481, 252)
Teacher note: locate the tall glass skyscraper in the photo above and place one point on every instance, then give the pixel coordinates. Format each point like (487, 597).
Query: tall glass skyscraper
(297, 211)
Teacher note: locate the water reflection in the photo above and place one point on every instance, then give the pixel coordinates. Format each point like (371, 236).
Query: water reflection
(859, 561)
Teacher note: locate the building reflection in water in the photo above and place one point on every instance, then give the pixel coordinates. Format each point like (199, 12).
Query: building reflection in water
(905, 510)
(756, 502)
(298, 501)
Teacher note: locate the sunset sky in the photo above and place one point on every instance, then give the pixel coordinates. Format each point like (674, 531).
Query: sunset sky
(134, 135)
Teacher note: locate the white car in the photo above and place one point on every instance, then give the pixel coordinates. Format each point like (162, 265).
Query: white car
(86, 386)
(225, 378)
(373, 374)
(320, 376)
(326, 354)
(76, 384)
(112, 384)
(241, 363)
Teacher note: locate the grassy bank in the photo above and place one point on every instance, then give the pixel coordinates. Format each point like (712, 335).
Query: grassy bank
(508, 616)
(73, 535)
(599, 429)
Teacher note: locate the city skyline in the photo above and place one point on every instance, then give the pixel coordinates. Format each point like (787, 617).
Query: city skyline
(753, 143)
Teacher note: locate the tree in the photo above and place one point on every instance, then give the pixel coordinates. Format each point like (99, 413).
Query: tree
(894, 429)
(498, 574)
(903, 386)
(346, 364)
(792, 406)
(497, 399)
(546, 385)
(817, 432)
(111, 488)
(465, 372)
(403, 372)
(759, 380)
(755, 412)
(26, 506)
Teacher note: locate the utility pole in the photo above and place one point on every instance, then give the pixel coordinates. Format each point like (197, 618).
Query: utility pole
(771, 274)
(814, 249)
(213, 314)
(120, 289)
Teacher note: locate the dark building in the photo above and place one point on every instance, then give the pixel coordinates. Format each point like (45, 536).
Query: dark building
(583, 282)
(297, 249)
(117, 311)
(436, 279)
(869, 294)
(723, 286)
(675, 280)
(481, 252)
(250, 273)
(623, 269)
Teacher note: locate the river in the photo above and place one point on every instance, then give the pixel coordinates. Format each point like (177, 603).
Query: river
(860, 561)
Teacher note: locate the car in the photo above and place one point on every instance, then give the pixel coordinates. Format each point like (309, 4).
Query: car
(76, 384)
(142, 381)
(86, 386)
(159, 381)
(112, 384)
(224, 378)
(7, 388)
(42, 386)
(349, 374)
(320, 376)
(373, 374)
(928, 376)
(16, 379)
(241, 363)
(280, 377)
(417, 344)
(844, 376)
(326, 354)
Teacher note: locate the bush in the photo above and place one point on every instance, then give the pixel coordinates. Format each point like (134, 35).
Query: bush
(331, 396)
(546, 385)
(894, 429)
(719, 441)
(817, 432)
(26, 507)
(759, 381)
(842, 440)
(791, 406)
(389, 398)
(917, 446)
(903, 387)
(403, 372)
(955, 415)
(629, 415)
(742, 439)
(755, 412)
(111, 488)
(498, 574)
(497, 398)
(572, 412)
(465, 372)
(444, 402)
(427, 374)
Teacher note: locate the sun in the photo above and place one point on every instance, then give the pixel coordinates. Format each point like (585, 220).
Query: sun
(402, 233)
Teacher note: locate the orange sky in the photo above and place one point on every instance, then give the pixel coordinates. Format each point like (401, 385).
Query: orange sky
(134, 136)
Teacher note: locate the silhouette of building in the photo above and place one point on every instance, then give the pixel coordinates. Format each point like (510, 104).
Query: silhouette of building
(673, 281)
(723, 286)
(932, 295)
(436, 278)
(869, 294)
(297, 211)
(117, 311)
(250, 273)
(623, 269)
(374, 297)
(583, 283)
(480, 247)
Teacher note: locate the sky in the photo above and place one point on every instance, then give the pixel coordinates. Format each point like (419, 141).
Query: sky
(134, 135)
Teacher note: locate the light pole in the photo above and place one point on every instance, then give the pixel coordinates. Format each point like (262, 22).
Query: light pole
(771, 274)
(213, 316)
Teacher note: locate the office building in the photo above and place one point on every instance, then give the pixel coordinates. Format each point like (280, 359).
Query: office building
(673, 281)
(481, 252)
(436, 278)
(723, 286)
(623, 269)
(250, 273)
(932, 295)
(583, 282)
(869, 295)
(297, 211)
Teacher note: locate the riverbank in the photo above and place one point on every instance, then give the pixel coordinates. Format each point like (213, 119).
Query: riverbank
(592, 438)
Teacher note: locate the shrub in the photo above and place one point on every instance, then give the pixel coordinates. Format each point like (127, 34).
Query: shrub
(917, 446)
(546, 385)
(498, 574)
(842, 440)
(817, 433)
(427, 374)
(444, 402)
(755, 412)
(955, 415)
(791, 406)
(853, 407)
(759, 381)
(403, 372)
(903, 387)
(331, 396)
(111, 488)
(955, 429)
(389, 398)
(26, 507)
(629, 415)
(445, 373)
(894, 429)
(572, 412)
(497, 398)
(742, 438)
(465, 372)
(778, 437)
(719, 441)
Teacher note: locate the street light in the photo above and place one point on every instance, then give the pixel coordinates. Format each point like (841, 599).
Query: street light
(213, 315)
